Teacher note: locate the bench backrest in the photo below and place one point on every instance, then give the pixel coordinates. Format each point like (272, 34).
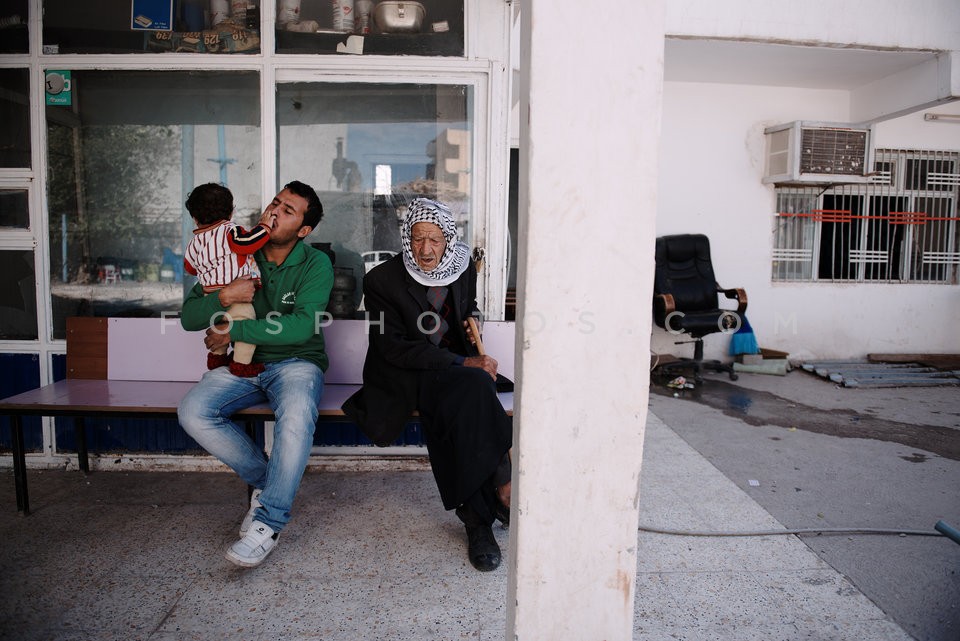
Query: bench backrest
(158, 349)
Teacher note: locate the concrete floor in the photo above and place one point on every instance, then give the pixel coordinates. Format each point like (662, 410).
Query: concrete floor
(827, 456)
(371, 555)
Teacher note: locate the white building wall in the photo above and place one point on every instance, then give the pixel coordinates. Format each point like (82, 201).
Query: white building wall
(711, 166)
(913, 132)
(918, 24)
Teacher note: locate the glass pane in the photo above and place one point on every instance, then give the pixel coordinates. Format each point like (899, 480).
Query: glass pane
(931, 173)
(14, 208)
(14, 117)
(424, 28)
(120, 168)
(135, 26)
(794, 234)
(936, 243)
(14, 37)
(368, 149)
(18, 296)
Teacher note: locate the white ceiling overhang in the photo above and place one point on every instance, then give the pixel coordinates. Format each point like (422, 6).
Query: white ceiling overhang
(883, 83)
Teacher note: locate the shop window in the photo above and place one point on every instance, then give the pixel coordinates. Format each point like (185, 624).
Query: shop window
(122, 160)
(14, 35)
(18, 296)
(151, 26)
(14, 208)
(424, 28)
(14, 117)
(368, 149)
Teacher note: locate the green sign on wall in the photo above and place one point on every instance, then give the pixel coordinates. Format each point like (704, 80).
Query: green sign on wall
(58, 86)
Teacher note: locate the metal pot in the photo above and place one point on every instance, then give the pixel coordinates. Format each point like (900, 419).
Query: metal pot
(395, 16)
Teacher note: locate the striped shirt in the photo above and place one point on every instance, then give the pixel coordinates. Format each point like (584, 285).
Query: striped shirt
(219, 253)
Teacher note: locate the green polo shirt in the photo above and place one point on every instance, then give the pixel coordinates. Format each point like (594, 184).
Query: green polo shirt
(290, 306)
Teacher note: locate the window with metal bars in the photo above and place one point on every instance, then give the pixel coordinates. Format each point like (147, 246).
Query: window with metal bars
(900, 227)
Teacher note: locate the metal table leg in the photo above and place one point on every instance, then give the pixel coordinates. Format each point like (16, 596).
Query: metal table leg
(80, 430)
(19, 465)
(251, 428)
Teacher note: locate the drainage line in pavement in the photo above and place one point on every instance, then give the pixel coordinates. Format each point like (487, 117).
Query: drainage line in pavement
(862, 530)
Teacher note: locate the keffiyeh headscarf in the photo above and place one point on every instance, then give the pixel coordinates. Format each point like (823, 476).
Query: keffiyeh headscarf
(456, 256)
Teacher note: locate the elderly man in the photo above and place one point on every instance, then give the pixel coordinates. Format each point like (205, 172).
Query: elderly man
(421, 356)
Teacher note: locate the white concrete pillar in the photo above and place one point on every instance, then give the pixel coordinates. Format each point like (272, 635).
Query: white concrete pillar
(590, 117)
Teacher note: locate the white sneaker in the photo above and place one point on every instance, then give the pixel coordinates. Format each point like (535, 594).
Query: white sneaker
(253, 548)
(248, 519)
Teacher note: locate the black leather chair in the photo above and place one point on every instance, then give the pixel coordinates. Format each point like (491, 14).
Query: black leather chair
(686, 300)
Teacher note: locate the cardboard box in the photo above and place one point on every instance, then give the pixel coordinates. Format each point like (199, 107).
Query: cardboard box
(773, 354)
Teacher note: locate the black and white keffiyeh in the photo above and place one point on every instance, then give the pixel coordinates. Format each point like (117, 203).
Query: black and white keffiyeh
(456, 256)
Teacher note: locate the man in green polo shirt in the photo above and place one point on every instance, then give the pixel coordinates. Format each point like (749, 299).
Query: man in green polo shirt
(295, 284)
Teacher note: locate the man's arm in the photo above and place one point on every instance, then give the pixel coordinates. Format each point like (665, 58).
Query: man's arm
(201, 310)
(482, 360)
(391, 334)
(246, 242)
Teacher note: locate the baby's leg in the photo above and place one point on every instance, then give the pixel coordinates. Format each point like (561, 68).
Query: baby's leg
(242, 352)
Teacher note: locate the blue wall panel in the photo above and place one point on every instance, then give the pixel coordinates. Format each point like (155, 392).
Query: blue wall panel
(106, 435)
(19, 373)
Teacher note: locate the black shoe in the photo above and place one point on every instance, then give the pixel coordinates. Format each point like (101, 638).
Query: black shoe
(482, 548)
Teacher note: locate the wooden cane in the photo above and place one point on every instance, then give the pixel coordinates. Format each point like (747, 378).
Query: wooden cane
(478, 256)
(472, 324)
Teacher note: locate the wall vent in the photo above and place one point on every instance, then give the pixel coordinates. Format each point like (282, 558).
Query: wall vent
(807, 152)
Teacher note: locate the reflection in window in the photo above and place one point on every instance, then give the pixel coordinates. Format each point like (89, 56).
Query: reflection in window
(14, 117)
(14, 36)
(18, 296)
(423, 28)
(110, 26)
(14, 208)
(121, 165)
(368, 149)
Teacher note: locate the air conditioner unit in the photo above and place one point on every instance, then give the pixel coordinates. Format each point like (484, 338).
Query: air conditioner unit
(804, 152)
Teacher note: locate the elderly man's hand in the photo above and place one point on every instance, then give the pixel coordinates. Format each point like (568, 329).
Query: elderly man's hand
(486, 363)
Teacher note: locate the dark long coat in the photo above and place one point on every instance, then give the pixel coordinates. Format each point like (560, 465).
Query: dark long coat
(399, 348)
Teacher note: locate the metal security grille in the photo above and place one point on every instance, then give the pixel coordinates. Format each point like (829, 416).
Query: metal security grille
(832, 151)
(901, 227)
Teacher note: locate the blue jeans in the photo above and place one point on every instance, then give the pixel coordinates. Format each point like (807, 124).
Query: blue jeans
(293, 388)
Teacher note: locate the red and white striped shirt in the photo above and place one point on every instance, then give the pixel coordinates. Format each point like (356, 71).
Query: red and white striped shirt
(219, 253)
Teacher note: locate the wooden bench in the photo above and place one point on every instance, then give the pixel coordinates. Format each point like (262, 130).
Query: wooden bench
(142, 367)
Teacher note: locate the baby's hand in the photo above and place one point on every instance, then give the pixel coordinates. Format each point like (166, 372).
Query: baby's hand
(268, 220)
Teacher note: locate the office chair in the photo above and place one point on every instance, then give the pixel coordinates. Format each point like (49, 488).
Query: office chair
(686, 300)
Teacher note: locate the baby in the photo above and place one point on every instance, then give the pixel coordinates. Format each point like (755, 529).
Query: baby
(219, 252)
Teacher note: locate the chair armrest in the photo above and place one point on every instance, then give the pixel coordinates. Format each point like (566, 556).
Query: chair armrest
(663, 306)
(738, 293)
